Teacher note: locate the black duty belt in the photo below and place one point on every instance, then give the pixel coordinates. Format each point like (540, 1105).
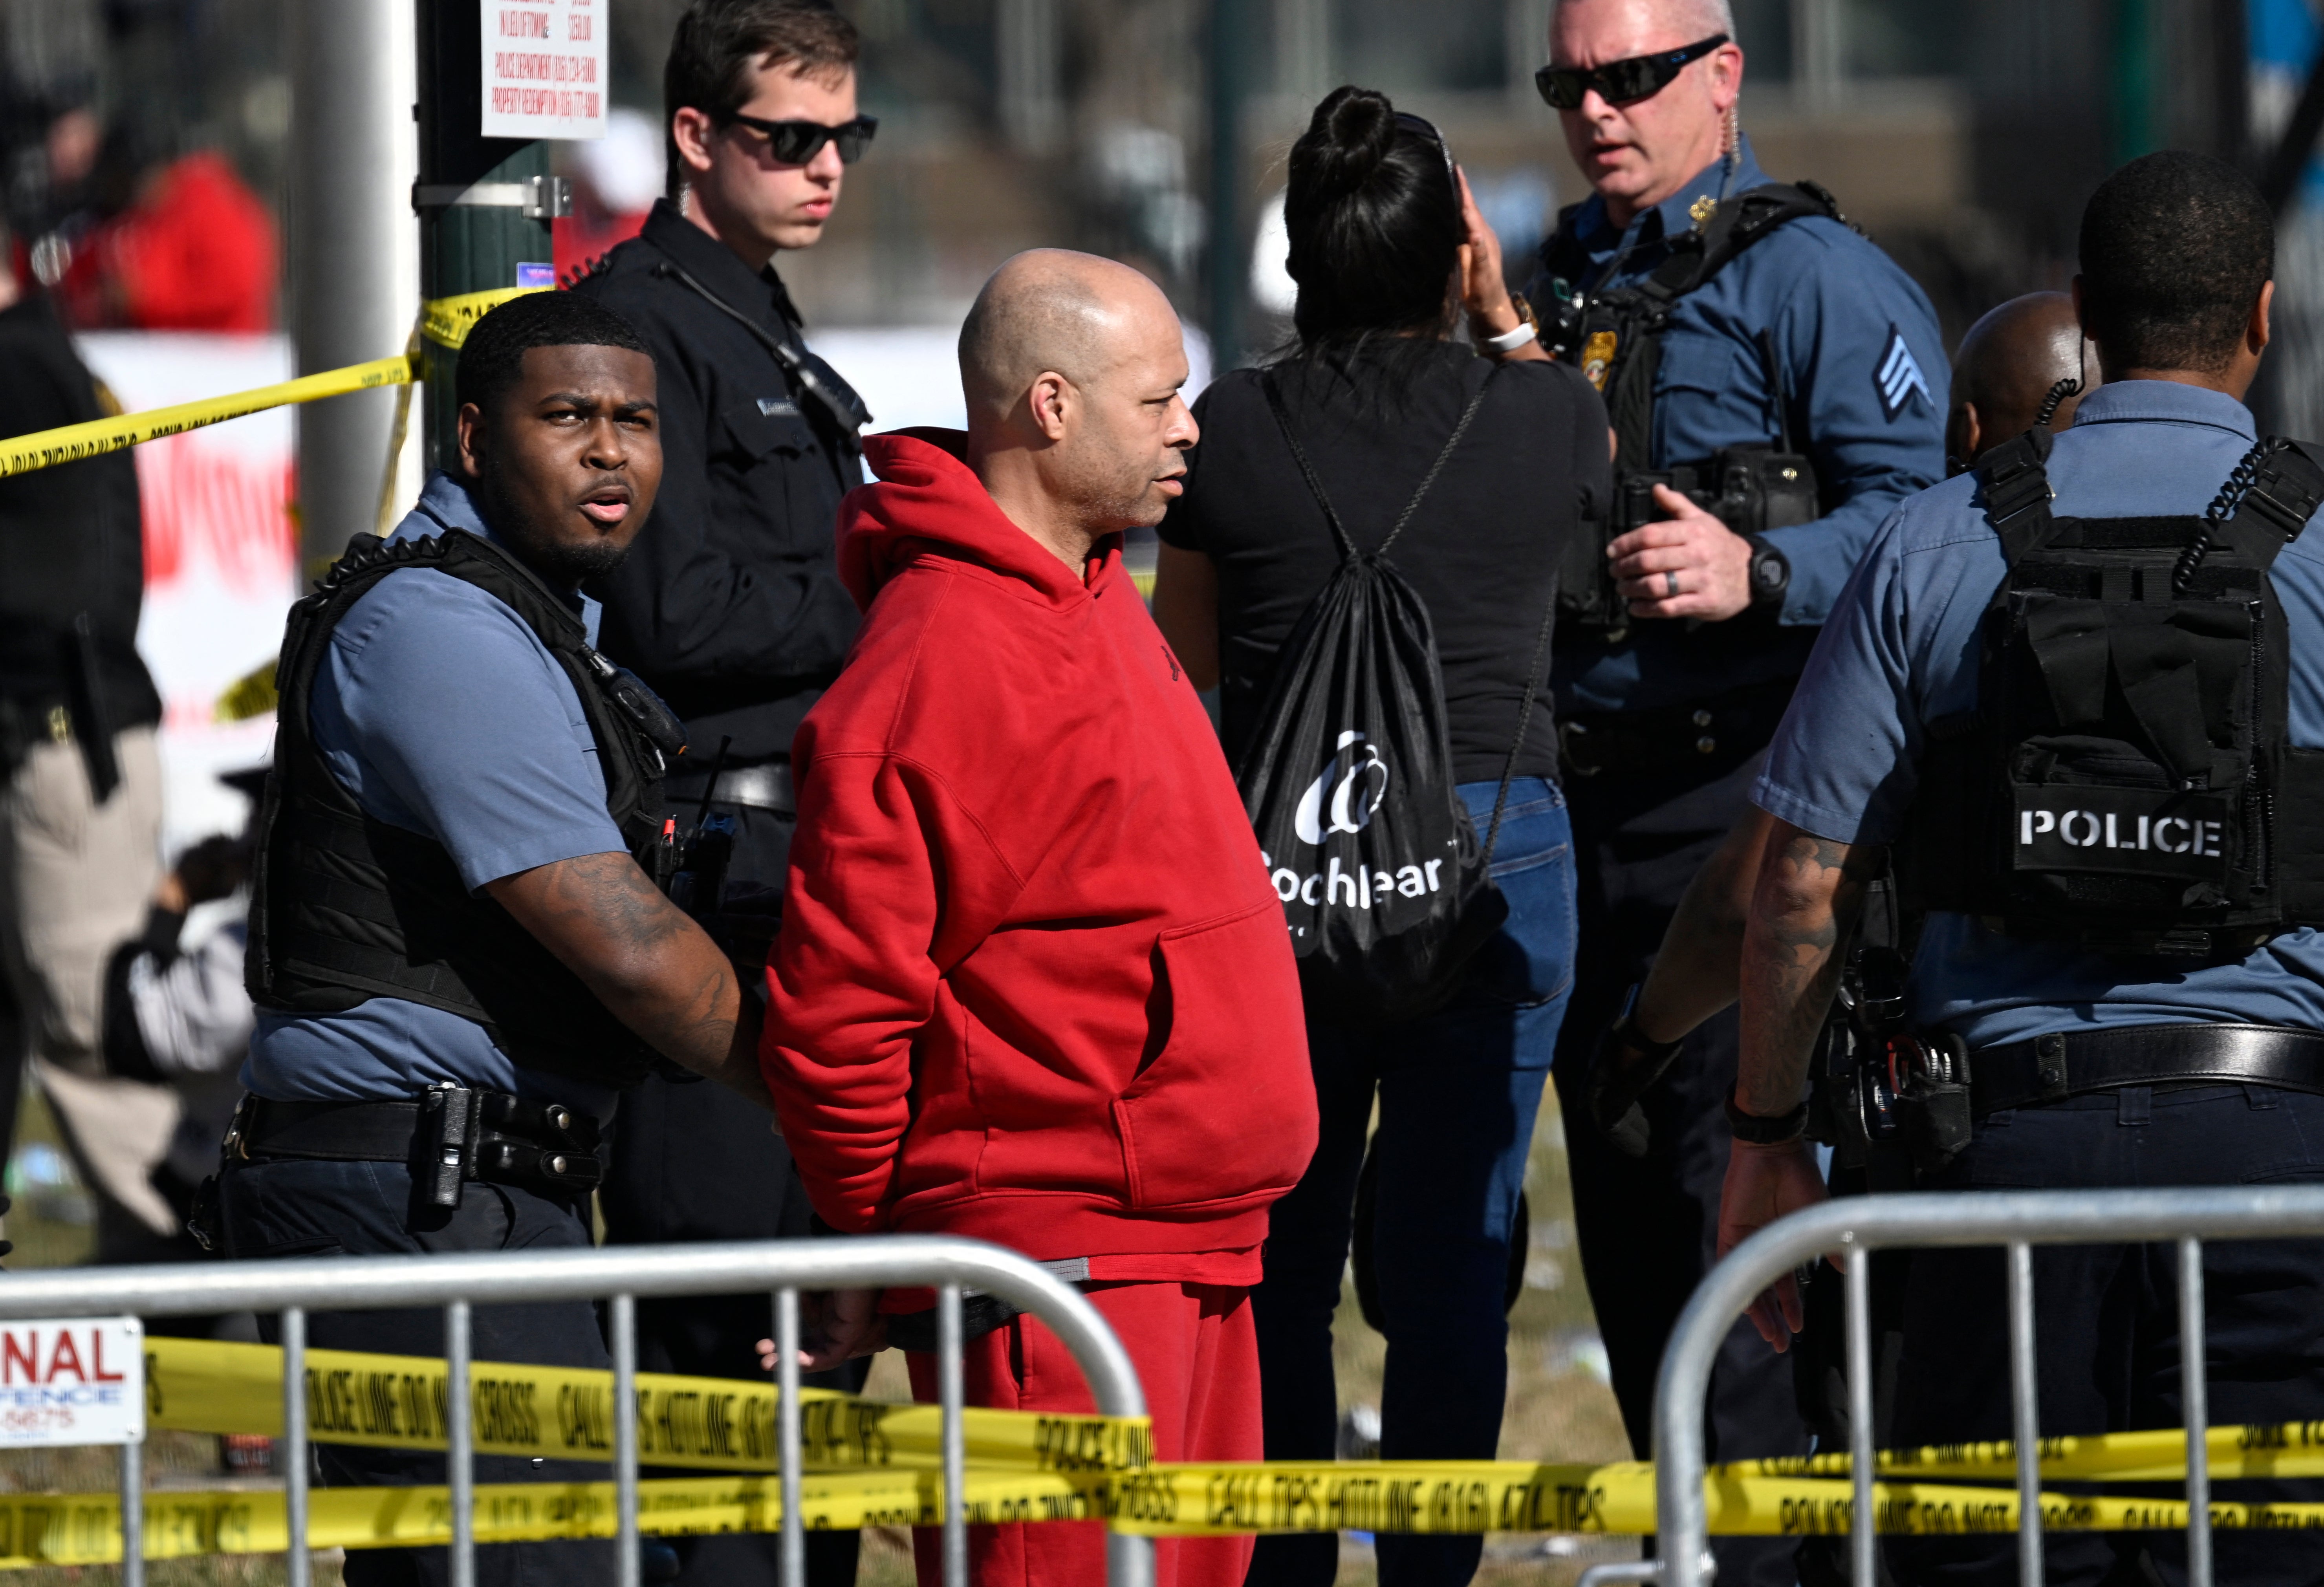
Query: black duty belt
(450, 1137)
(1672, 738)
(2051, 1068)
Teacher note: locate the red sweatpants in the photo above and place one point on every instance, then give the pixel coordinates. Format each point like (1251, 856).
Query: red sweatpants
(1196, 1355)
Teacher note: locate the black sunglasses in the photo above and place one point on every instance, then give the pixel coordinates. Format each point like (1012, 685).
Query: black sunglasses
(1619, 82)
(794, 142)
(1422, 124)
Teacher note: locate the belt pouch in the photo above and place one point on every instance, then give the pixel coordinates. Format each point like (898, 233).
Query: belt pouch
(1932, 1102)
(444, 1144)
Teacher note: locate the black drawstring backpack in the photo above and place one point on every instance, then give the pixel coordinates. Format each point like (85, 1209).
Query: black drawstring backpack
(1348, 783)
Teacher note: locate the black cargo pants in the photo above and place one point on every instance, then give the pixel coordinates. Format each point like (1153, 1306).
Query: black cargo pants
(1648, 1228)
(2105, 1329)
(312, 1209)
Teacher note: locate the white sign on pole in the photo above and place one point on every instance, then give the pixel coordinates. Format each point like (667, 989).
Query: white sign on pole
(221, 556)
(544, 69)
(76, 1381)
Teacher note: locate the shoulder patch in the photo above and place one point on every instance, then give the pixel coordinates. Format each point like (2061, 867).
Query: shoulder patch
(1897, 376)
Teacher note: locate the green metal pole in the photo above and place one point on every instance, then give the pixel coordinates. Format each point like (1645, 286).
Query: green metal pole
(466, 247)
(2133, 88)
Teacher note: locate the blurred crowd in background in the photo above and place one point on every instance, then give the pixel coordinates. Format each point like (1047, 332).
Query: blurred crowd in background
(142, 155)
(144, 139)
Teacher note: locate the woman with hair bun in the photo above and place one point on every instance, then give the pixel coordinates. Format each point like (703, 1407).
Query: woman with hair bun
(1387, 250)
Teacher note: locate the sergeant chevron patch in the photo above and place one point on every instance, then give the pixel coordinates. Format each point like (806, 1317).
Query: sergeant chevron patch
(1898, 376)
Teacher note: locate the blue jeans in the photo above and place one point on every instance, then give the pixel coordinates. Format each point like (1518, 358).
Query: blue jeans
(1457, 1092)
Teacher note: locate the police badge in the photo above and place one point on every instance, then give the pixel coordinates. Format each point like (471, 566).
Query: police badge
(1597, 357)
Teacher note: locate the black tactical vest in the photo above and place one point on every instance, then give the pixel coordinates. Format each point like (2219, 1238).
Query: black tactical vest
(2127, 781)
(345, 907)
(1615, 338)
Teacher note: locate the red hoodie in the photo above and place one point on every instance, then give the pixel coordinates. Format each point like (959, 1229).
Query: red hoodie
(1033, 983)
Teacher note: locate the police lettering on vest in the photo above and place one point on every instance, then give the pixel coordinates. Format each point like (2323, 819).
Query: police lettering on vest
(2126, 782)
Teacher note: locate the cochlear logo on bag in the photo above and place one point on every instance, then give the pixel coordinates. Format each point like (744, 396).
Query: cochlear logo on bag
(1356, 886)
(1344, 796)
(1342, 801)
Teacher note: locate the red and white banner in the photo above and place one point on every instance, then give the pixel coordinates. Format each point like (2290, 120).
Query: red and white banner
(544, 69)
(76, 1381)
(221, 554)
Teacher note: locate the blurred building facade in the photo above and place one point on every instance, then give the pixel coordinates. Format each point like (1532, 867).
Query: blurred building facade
(1964, 134)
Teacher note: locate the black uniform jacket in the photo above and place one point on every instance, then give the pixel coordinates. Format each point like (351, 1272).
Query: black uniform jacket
(729, 604)
(70, 543)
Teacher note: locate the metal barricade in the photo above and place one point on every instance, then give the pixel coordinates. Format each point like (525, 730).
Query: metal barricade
(1854, 1227)
(293, 1288)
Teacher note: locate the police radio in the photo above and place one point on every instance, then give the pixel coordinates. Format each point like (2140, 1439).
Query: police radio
(690, 866)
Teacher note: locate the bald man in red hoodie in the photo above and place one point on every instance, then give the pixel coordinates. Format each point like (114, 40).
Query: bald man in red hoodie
(1033, 983)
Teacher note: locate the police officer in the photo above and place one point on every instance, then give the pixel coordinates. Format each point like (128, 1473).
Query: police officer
(2024, 362)
(2072, 718)
(732, 608)
(80, 776)
(458, 958)
(1769, 372)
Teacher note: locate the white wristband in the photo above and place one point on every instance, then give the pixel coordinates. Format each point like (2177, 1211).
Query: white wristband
(1509, 342)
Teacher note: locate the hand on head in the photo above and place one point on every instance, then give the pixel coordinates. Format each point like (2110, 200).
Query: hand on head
(1072, 366)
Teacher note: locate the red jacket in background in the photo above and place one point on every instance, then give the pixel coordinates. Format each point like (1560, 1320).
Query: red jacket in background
(195, 252)
(1033, 983)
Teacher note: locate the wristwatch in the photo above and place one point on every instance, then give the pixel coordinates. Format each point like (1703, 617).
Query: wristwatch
(1759, 1129)
(1771, 574)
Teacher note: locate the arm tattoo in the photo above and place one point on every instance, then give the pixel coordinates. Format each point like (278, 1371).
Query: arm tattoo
(1811, 892)
(615, 896)
(653, 968)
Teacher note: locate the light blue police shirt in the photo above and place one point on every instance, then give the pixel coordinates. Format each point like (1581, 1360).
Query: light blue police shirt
(439, 709)
(1864, 376)
(1900, 650)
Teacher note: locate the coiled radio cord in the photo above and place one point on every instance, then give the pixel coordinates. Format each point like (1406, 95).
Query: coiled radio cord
(2223, 507)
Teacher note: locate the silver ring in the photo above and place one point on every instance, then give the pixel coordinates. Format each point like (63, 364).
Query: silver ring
(1669, 583)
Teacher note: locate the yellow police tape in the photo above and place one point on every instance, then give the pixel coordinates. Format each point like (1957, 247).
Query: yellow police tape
(726, 1423)
(2282, 1449)
(873, 1463)
(567, 1413)
(1160, 1501)
(447, 320)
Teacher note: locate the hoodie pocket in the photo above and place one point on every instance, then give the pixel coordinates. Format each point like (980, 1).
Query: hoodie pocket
(1226, 1111)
